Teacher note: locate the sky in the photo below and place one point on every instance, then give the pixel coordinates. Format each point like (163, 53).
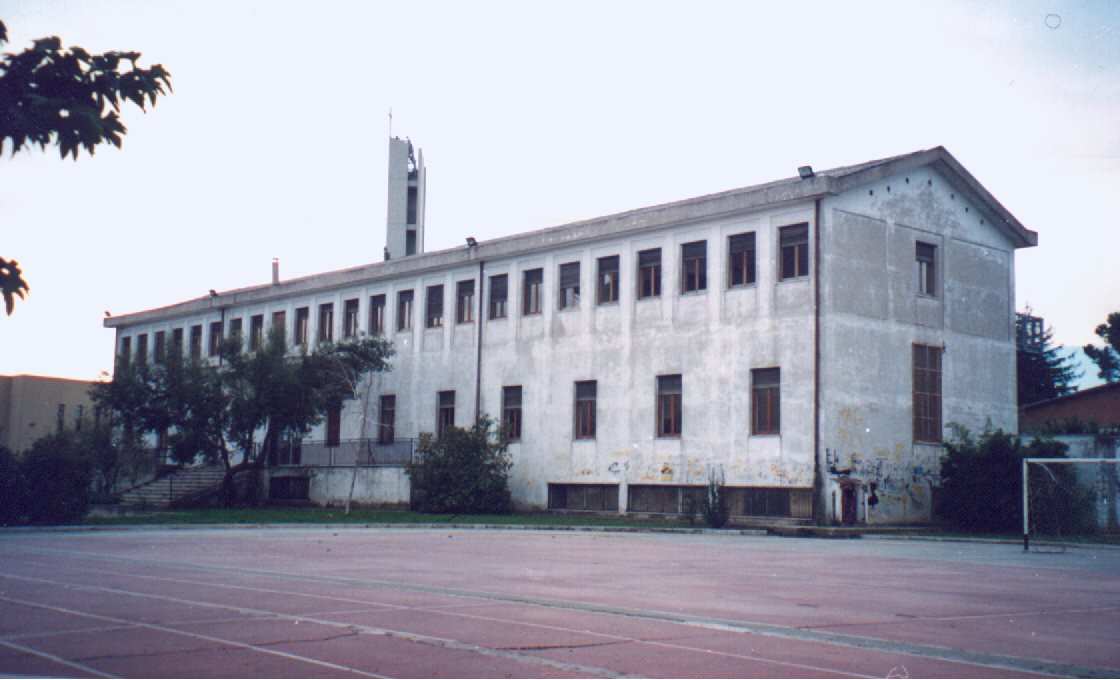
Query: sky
(274, 143)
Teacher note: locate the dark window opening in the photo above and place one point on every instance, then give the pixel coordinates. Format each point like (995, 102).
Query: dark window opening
(464, 302)
(256, 332)
(694, 265)
(669, 392)
(161, 347)
(664, 499)
(927, 393)
(235, 326)
(511, 413)
(387, 419)
(196, 342)
(413, 195)
(766, 399)
(334, 425)
(569, 286)
(404, 310)
(142, 348)
(585, 497)
(531, 292)
(741, 260)
(649, 273)
(326, 322)
(177, 342)
(499, 292)
(795, 251)
(350, 318)
(303, 322)
(410, 242)
(586, 396)
(215, 338)
(125, 355)
(445, 415)
(377, 315)
(608, 279)
(926, 257)
(280, 326)
(434, 311)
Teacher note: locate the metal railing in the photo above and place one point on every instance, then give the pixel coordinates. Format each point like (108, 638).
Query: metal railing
(366, 452)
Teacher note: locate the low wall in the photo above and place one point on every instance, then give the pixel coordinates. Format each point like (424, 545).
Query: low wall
(378, 486)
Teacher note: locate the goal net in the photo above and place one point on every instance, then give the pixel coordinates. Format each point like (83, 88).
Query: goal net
(1068, 497)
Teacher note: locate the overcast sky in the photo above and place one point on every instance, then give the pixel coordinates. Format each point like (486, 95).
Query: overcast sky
(530, 115)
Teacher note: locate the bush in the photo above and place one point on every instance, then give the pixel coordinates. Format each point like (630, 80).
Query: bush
(982, 485)
(714, 504)
(464, 471)
(11, 488)
(57, 476)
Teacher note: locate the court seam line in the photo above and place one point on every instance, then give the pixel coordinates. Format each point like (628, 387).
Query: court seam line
(57, 659)
(920, 650)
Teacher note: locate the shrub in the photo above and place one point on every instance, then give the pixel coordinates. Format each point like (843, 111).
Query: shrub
(463, 471)
(57, 476)
(12, 488)
(714, 503)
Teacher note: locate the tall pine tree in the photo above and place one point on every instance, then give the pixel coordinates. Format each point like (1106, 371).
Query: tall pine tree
(1045, 371)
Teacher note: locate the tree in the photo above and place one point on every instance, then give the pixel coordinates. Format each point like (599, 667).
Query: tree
(68, 97)
(462, 471)
(58, 476)
(1044, 372)
(1107, 357)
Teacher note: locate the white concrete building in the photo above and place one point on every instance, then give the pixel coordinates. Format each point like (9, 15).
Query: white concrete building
(810, 339)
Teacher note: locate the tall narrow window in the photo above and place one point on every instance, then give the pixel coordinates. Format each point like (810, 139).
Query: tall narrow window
(256, 331)
(196, 341)
(926, 256)
(326, 322)
(511, 413)
(161, 347)
(649, 273)
(142, 348)
(669, 405)
(445, 415)
(434, 313)
(280, 326)
(795, 251)
(608, 279)
(531, 291)
(464, 302)
(569, 286)
(334, 425)
(61, 417)
(78, 417)
(927, 393)
(215, 346)
(404, 310)
(499, 294)
(126, 351)
(585, 409)
(377, 315)
(177, 342)
(387, 419)
(766, 401)
(303, 322)
(740, 260)
(235, 328)
(350, 318)
(694, 266)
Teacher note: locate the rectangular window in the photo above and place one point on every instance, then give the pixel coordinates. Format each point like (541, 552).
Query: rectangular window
(608, 279)
(795, 251)
(694, 266)
(161, 347)
(196, 342)
(61, 417)
(256, 331)
(177, 342)
(215, 347)
(531, 291)
(326, 322)
(445, 414)
(387, 419)
(649, 273)
(410, 242)
(334, 425)
(499, 293)
(589, 497)
(235, 328)
(78, 417)
(766, 401)
(926, 256)
(586, 392)
(142, 348)
(303, 323)
(511, 413)
(434, 313)
(464, 302)
(569, 286)
(404, 310)
(280, 326)
(350, 318)
(927, 393)
(669, 406)
(126, 351)
(740, 260)
(377, 315)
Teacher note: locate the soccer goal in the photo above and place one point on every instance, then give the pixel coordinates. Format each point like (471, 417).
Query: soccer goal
(1065, 495)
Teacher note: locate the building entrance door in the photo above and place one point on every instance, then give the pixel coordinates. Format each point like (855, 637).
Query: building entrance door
(848, 505)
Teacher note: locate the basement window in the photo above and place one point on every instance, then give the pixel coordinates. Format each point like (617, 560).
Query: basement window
(741, 260)
(499, 294)
(649, 273)
(569, 286)
(583, 497)
(694, 265)
(795, 251)
(434, 310)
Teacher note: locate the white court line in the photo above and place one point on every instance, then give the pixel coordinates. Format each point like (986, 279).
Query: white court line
(56, 659)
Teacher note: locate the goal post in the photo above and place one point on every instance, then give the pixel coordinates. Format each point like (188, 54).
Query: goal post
(1027, 462)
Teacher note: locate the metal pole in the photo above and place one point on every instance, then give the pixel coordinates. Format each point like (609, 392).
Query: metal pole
(1026, 508)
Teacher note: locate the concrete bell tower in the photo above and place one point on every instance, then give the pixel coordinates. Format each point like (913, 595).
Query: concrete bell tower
(404, 224)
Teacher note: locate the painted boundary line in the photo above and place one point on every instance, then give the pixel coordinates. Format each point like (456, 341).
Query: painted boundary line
(57, 659)
(1004, 662)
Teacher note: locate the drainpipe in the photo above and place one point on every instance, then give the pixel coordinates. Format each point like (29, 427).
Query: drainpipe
(478, 357)
(818, 481)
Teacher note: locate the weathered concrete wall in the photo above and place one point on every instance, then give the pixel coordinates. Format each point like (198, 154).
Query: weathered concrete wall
(872, 314)
(385, 486)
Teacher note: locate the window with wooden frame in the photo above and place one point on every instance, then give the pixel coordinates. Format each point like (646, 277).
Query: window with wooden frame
(404, 310)
(511, 413)
(445, 412)
(569, 286)
(531, 291)
(280, 326)
(377, 315)
(740, 260)
(256, 332)
(766, 401)
(794, 243)
(433, 315)
(142, 348)
(215, 347)
(694, 266)
(586, 396)
(161, 347)
(334, 425)
(925, 256)
(464, 301)
(303, 323)
(326, 322)
(387, 419)
(350, 318)
(499, 295)
(177, 342)
(608, 279)
(669, 415)
(927, 393)
(196, 341)
(649, 273)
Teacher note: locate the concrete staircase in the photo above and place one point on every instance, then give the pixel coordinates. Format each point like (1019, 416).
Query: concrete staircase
(181, 485)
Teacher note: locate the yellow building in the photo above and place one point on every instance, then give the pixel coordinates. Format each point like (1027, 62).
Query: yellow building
(32, 406)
